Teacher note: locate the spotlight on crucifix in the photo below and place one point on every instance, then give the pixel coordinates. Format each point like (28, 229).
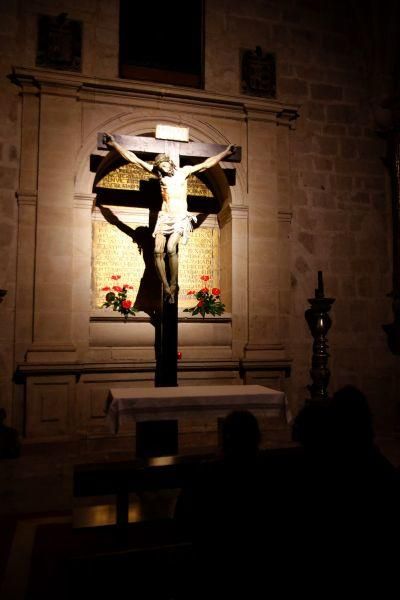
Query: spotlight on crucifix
(174, 223)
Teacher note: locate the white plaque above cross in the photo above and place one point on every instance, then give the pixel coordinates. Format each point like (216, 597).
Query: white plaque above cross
(171, 132)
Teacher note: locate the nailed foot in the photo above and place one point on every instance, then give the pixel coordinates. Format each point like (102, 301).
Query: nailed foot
(174, 292)
(168, 296)
(173, 288)
(170, 292)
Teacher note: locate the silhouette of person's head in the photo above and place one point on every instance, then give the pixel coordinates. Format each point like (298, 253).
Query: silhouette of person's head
(240, 435)
(351, 419)
(311, 426)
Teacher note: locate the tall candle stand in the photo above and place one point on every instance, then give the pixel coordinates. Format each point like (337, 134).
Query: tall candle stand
(319, 322)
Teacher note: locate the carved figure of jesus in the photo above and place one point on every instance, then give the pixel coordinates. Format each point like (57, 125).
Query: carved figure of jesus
(174, 222)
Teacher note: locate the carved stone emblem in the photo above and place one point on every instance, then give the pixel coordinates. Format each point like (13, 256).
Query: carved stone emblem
(59, 43)
(258, 73)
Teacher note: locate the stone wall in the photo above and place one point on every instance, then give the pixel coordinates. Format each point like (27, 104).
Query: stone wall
(18, 36)
(327, 208)
(338, 190)
(9, 155)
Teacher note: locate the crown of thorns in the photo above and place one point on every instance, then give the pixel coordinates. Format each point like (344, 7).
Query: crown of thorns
(160, 158)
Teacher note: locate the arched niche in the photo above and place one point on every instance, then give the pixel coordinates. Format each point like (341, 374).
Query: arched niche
(127, 202)
(227, 211)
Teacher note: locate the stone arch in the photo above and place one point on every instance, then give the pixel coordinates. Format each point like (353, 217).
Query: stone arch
(232, 217)
(138, 125)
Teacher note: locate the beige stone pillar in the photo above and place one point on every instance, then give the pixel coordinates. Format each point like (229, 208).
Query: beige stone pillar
(233, 221)
(284, 214)
(264, 340)
(59, 140)
(81, 284)
(27, 203)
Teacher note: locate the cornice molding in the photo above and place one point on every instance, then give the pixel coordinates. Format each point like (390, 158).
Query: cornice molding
(93, 89)
(85, 201)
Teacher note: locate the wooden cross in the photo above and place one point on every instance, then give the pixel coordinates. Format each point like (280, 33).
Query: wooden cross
(173, 141)
(177, 145)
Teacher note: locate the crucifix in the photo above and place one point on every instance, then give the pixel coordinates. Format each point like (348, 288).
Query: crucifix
(174, 222)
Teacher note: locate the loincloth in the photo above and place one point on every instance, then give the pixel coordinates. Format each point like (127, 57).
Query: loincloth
(167, 224)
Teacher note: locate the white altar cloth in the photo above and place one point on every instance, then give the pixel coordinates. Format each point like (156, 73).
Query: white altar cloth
(147, 403)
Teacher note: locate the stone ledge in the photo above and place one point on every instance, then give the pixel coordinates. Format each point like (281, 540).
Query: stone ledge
(25, 370)
(267, 365)
(84, 87)
(142, 319)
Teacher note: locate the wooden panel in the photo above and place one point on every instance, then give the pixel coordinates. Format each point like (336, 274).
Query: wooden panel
(53, 402)
(97, 401)
(49, 406)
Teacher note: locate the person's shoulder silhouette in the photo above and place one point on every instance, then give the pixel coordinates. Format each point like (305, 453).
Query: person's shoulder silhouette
(240, 436)
(352, 419)
(221, 486)
(9, 440)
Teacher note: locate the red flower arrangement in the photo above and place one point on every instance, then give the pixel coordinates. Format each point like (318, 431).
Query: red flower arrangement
(117, 298)
(207, 303)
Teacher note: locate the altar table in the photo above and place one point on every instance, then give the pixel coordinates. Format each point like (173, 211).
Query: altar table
(145, 403)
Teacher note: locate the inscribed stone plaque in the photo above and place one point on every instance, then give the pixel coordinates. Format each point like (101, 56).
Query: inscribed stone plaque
(129, 176)
(115, 253)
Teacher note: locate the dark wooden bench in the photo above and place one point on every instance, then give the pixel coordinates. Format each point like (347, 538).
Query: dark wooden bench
(105, 562)
(159, 473)
(125, 477)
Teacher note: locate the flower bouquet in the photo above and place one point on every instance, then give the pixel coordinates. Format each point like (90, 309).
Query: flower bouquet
(117, 298)
(208, 303)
